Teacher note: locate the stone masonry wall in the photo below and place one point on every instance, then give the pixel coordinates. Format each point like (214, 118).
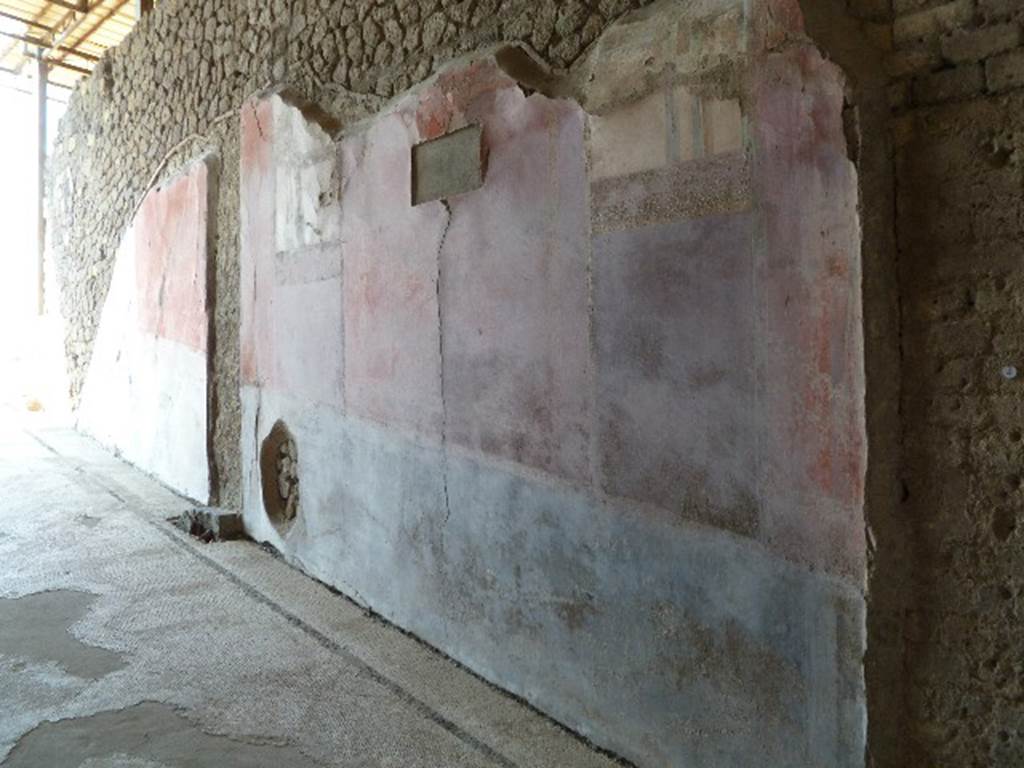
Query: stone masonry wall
(939, 118)
(957, 71)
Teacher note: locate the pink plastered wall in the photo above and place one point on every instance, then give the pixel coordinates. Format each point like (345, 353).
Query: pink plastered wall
(146, 390)
(626, 367)
(170, 256)
(707, 365)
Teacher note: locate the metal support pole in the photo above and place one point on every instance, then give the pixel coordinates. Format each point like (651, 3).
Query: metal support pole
(42, 77)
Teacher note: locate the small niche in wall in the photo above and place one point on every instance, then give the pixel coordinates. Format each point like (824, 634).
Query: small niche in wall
(448, 165)
(279, 477)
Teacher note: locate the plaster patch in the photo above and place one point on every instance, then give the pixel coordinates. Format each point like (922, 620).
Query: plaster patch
(148, 732)
(37, 628)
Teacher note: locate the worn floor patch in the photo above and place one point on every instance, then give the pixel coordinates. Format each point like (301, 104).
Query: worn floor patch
(37, 628)
(148, 734)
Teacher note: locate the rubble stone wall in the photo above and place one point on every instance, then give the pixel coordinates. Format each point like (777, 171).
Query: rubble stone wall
(957, 72)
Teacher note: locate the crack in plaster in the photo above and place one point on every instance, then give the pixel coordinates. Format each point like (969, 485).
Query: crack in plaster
(440, 353)
(256, 117)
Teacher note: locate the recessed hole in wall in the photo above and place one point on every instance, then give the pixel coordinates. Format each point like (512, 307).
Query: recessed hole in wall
(449, 165)
(279, 476)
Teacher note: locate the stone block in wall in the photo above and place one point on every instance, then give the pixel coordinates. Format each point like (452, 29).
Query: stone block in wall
(912, 61)
(909, 6)
(932, 22)
(978, 44)
(898, 95)
(874, 10)
(878, 35)
(1005, 71)
(1000, 9)
(960, 83)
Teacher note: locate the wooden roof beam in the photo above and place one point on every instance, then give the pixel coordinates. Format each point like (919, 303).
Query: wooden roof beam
(100, 21)
(61, 64)
(26, 22)
(36, 42)
(10, 48)
(82, 6)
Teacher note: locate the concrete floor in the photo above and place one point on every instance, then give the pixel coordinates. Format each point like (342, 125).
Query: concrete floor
(125, 643)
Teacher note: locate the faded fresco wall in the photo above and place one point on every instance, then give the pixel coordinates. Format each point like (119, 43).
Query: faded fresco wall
(559, 370)
(565, 376)
(175, 85)
(146, 392)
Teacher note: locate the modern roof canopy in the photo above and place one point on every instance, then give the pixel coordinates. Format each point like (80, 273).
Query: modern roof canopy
(69, 35)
